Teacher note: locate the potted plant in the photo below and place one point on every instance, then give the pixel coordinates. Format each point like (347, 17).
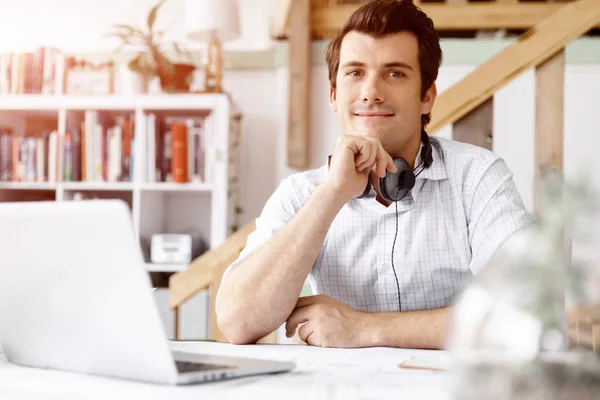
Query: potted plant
(151, 59)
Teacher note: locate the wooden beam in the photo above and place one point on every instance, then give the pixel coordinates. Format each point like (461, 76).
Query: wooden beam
(549, 116)
(199, 275)
(477, 126)
(472, 16)
(532, 48)
(195, 278)
(206, 272)
(299, 82)
(549, 128)
(281, 18)
(584, 326)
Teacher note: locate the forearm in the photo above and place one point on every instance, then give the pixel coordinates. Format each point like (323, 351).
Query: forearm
(259, 294)
(426, 329)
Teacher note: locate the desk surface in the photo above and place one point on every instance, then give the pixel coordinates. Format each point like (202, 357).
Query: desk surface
(347, 374)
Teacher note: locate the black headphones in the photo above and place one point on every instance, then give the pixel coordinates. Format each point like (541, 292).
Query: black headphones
(394, 186)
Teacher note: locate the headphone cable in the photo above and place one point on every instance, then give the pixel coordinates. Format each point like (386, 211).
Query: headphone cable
(394, 245)
(421, 164)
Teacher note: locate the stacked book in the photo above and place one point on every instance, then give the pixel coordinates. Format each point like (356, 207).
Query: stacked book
(36, 72)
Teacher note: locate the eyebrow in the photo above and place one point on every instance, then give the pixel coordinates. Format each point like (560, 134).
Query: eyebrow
(396, 64)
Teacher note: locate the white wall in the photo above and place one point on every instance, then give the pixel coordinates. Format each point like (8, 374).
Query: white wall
(80, 25)
(257, 95)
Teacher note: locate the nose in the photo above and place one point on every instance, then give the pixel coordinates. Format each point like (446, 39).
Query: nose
(371, 93)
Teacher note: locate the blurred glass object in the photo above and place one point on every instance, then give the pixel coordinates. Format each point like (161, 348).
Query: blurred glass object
(510, 332)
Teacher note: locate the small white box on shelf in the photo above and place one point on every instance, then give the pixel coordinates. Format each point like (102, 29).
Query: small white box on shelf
(171, 248)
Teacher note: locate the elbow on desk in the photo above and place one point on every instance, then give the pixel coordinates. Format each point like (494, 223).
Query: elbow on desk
(234, 323)
(236, 330)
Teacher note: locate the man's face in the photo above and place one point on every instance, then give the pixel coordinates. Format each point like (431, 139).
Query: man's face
(379, 88)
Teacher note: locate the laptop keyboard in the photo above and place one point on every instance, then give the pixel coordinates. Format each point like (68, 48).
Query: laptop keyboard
(184, 366)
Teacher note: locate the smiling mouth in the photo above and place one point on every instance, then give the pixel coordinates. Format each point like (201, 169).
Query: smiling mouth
(373, 115)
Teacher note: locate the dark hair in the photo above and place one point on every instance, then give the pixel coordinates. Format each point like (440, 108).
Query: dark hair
(382, 17)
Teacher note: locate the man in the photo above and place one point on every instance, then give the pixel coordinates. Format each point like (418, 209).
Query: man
(463, 206)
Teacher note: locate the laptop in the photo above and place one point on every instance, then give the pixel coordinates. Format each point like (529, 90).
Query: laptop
(75, 296)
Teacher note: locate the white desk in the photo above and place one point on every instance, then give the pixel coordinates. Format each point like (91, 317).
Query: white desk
(339, 374)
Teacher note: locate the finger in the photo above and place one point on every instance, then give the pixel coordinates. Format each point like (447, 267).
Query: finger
(309, 300)
(368, 163)
(379, 166)
(297, 317)
(364, 152)
(305, 332)
(382, 161)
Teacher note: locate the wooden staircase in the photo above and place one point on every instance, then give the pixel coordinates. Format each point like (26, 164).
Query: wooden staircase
(465, 105)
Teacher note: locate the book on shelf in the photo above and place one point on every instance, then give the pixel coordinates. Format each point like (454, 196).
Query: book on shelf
(35, 72)
(106, 148)
(100, 149)
(28, 158)
(176, 148)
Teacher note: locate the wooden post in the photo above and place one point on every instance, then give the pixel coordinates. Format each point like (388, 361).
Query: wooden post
(549, 126)
(477, 126)
(549, 116)
(299, 82)
(176, 333)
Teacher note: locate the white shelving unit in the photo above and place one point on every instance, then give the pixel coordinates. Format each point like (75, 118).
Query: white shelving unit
(157, 207)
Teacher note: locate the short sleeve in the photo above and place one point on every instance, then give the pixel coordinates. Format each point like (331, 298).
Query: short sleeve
(278, 210)
(496, 215)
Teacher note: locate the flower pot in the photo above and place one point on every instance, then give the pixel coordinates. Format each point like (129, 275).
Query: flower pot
(131, 82)
(176, 79)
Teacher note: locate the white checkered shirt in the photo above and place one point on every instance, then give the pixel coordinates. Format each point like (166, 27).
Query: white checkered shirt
(460, 211)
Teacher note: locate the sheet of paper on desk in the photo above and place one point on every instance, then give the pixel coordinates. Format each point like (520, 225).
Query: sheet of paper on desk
(344, 385)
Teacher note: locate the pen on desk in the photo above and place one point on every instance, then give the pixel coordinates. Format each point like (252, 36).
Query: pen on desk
(419, 368)
(406, 365)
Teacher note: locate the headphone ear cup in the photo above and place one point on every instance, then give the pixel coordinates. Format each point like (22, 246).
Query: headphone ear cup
(392, 186)
(383, 187)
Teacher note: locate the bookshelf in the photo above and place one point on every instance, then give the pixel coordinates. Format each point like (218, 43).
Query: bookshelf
(200, 207)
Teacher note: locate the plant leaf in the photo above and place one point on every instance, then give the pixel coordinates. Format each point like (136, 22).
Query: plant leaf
(164, 62)
(177, 48)
(140, 64)
(124, 27)
(152, 14)
(129, 29)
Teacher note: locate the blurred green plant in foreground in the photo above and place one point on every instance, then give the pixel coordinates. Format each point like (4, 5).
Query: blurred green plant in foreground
(509, 337)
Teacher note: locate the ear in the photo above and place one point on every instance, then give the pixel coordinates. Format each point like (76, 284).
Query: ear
(429, 99)
(332, 99)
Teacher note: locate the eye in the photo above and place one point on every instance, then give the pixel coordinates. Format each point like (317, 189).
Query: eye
(354, 73)
(396, 74)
